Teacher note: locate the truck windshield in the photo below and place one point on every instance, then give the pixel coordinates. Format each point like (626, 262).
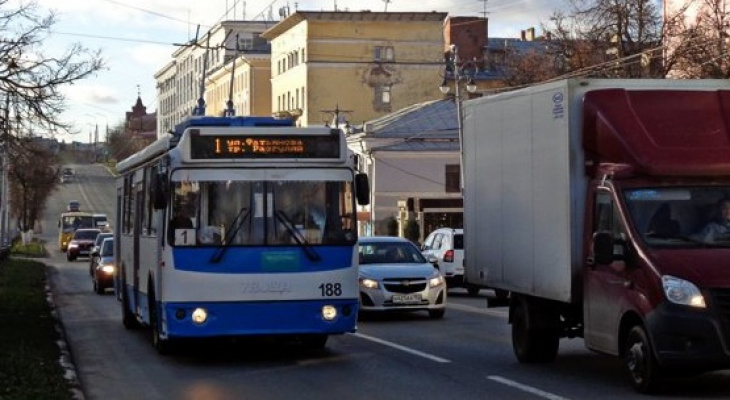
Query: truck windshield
(224, 213)
(681, 216)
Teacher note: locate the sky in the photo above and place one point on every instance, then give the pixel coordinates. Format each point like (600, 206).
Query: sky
(137, 38)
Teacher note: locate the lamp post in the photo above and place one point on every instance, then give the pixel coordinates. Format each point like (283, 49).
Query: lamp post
(459, 73)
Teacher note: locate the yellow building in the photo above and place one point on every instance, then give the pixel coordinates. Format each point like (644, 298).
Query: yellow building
(251, 91)
(368, 64)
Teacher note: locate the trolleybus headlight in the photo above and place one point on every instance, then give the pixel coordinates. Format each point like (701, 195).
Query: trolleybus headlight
(329, 313)
(680, 291)
(199, 315)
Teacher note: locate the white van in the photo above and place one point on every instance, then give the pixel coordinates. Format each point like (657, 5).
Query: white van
(445, 247)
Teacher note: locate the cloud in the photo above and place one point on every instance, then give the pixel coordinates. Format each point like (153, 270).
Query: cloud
(91, 94)
(150, 55)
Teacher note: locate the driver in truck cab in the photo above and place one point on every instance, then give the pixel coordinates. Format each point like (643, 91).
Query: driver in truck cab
(718, 229)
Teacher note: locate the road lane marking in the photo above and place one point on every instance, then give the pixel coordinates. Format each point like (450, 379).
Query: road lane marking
(402, 348)
(526, 388)
(502, 313)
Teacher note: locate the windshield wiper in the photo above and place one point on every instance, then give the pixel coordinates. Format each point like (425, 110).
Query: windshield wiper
(297, 235)
(235, 227)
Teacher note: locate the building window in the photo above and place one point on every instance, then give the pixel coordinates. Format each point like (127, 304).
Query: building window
(384, 53)
(382, 98)
(452, 178)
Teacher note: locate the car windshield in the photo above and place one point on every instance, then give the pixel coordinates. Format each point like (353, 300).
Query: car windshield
(100, 238)
(107, 248)
(681, 216)
(389, 253)
(458, 241)
(76, 222)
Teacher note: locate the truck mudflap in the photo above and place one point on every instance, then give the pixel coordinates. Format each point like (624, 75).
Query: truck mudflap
(688, 339)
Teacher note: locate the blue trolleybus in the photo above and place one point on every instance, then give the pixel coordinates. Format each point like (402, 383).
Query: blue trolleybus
(238, 226)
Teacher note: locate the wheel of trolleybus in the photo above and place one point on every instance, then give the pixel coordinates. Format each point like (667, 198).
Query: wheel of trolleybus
(163, 346)
(128, 319)
(639, 361)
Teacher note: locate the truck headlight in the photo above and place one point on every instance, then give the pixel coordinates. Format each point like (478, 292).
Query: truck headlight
(680, 291)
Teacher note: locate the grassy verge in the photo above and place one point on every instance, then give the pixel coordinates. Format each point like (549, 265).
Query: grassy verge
(29, 355)
(34, 249)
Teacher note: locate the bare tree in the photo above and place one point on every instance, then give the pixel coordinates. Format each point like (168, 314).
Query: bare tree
(123, 143)
(31, 76)
(630, 39)
(701, 44)
(30, 81)
(33, 176)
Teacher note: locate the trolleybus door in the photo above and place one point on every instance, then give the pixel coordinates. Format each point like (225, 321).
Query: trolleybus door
(138, 205)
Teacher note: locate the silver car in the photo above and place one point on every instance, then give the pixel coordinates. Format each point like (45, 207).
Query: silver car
(394, 276)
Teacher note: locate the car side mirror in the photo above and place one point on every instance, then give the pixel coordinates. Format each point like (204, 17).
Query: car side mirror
(433, 260)
(603, 248)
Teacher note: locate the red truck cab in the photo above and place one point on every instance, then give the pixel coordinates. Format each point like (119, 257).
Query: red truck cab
(657, 252)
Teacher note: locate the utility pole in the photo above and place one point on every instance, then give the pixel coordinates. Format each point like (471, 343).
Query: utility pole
(4, 205)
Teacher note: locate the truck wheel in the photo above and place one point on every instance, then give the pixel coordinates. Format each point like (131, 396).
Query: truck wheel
(501, 294)
(472, 290)
(532, 345)
(640, 363)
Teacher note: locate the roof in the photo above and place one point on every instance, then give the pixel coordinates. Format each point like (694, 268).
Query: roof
(430, 119)
(360, 16)
(431, 126)
(383, 239)
(519, 45)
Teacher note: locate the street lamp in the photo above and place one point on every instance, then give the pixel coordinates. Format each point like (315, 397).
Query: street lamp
(458, 72)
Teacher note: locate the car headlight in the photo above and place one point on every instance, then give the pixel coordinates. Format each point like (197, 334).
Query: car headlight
(73, 244)
(369, 283)
(436, 280)
(108, 268)
(680, 291)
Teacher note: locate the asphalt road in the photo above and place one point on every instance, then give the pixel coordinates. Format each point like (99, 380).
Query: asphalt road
(466, 355)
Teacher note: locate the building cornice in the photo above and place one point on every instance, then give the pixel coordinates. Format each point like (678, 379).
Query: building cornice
(360, 16)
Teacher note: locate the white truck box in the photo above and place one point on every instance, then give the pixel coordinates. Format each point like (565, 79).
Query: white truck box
(524, 185)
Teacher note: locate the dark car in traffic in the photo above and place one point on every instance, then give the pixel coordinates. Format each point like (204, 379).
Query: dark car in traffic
(81, 243)
(103, 276)
(95, 249)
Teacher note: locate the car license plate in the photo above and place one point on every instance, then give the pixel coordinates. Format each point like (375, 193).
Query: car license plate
(413, 298)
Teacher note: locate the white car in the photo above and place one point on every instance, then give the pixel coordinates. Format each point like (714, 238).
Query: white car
(445, 247)
(394, 276)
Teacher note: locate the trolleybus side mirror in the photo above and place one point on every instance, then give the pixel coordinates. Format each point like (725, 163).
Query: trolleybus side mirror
(159, 191)
(362, 189)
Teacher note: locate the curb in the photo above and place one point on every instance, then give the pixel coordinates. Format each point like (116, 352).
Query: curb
(66, 359)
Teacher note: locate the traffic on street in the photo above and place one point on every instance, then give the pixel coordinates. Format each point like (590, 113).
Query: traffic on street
(466, 354)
